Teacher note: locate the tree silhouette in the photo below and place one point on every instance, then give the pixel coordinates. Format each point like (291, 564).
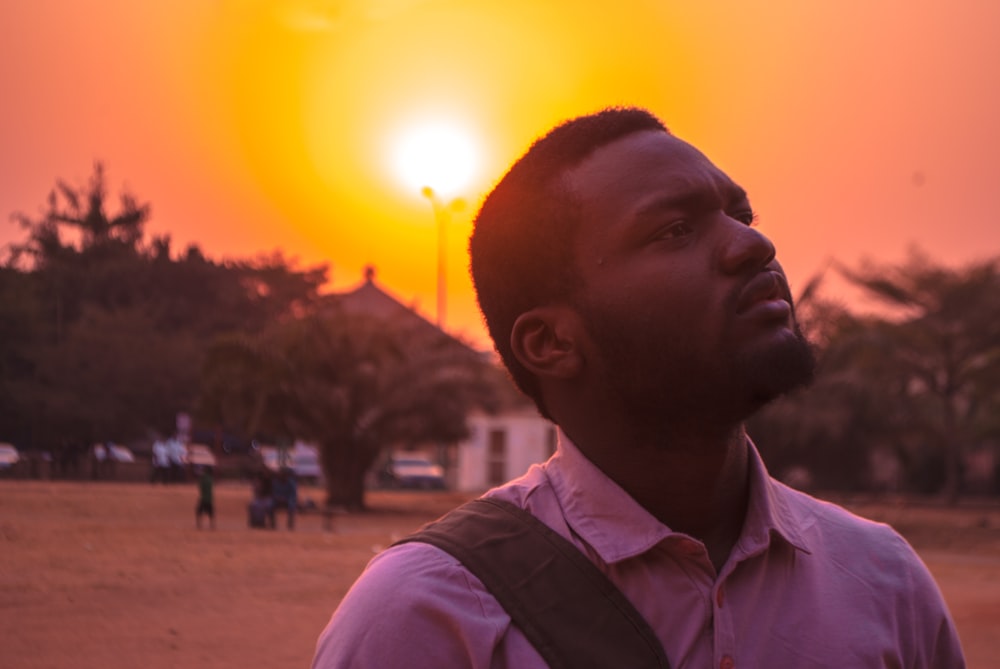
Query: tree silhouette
(939, 351)
(919, 378)
(83, 211)
(353, 384)
(107, 334)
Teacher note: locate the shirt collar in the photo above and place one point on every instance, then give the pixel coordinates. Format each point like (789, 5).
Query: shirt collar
(770, 511)
(617, 527)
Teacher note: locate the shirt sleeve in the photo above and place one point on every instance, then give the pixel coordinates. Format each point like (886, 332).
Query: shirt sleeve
(934, 637)
(414, 606)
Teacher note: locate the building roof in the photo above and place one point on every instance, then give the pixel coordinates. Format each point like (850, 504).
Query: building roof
(370, 299)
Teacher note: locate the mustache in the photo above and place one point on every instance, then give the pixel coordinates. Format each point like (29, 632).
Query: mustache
(767, 284)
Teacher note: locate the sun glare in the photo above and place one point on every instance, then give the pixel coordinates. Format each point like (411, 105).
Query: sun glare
(439, 155)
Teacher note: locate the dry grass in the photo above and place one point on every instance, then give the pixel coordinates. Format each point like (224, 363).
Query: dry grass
(115, 575)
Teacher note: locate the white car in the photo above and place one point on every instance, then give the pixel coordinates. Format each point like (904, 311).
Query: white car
(8, 456)
(120, 453)
(411, 470)
(302, 459)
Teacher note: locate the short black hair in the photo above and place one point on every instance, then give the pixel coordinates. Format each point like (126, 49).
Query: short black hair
(521, 249)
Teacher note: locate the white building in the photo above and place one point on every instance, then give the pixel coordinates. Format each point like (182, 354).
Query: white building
(501, 447)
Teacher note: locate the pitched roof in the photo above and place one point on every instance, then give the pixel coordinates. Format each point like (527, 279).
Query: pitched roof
(372, 300)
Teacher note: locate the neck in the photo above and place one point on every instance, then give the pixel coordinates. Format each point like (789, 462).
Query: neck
(693, 480)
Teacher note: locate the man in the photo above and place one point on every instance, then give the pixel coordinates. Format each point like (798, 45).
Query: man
(629, 295)
(161, 461)
(206, 498)
(177, 455)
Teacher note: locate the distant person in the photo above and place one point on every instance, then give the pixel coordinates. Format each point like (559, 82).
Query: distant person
(206, 498)
(177, 453)
(285, 493)
(260, 509)
(161, 461)
(629, 294)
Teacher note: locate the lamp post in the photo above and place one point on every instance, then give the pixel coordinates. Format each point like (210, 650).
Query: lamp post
(442, 216)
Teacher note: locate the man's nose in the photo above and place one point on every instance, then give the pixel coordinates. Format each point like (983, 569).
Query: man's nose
(743, 248)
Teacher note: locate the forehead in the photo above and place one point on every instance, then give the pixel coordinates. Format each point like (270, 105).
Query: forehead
(640, 169)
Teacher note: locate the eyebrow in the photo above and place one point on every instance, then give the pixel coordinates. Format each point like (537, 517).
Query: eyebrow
(698, 198)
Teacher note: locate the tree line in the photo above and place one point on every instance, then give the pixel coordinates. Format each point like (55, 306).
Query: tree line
(106, 334)
(907, 394)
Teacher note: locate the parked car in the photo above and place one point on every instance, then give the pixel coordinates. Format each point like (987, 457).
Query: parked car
(302, 459)
(411, 470)
(9, 456)
(305, 463)
(120, 453)
(199, 455)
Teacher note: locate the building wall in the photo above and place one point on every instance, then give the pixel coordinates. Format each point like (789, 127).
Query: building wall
(501, 448)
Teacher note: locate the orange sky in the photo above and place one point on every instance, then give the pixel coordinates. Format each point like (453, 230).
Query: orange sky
(859, 128)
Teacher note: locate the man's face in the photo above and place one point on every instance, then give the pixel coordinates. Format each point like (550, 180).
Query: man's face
(685, 305)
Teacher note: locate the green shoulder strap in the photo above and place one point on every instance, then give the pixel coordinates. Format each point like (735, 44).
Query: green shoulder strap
(566, 607)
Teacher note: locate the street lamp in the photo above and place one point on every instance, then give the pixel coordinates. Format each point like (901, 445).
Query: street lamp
(442, 216)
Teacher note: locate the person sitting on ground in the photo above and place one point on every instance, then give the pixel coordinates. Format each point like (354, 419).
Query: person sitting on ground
(285, 494)
(260, 509)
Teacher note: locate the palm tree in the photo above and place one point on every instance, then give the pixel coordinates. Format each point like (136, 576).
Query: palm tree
(941, 345)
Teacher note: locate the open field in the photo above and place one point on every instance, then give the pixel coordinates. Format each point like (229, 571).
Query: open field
(109, 575)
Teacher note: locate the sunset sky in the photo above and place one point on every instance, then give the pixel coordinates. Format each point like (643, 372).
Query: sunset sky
(859, 128)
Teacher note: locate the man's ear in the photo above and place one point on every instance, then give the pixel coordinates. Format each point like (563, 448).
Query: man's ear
(545, 340)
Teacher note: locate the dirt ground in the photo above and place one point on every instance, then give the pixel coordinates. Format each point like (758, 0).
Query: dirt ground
(109, 575)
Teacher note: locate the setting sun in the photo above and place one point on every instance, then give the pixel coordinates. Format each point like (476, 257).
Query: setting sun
(314, 127)
(439, 155)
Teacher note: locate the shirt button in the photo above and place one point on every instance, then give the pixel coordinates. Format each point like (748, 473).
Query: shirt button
(689, 547)
(727, 662)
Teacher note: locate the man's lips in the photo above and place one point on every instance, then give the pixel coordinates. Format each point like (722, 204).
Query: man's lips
(766, 290)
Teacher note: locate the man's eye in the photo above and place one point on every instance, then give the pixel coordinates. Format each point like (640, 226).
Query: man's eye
(676, 229)
(746, 217)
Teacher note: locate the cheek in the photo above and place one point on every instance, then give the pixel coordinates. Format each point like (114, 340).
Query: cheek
(682, 300)
(660, 296)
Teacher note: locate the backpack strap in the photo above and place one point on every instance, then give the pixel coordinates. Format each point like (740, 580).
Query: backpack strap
(566, 607)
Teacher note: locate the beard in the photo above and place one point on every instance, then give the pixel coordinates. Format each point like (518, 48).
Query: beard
(777, 370)
(661, 377)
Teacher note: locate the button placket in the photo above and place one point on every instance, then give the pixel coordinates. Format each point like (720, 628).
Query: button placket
(724, 636)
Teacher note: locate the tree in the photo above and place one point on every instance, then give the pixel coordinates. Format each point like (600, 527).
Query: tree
(83, 211)
(107, 335)
(21, 333)
(69, 271)
(351, 383)
(939, 351)
(919, 379)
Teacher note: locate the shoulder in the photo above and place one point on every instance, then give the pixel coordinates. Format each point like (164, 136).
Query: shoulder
(832, 527)
(868, 566)
(415, 606)
(867, 555)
